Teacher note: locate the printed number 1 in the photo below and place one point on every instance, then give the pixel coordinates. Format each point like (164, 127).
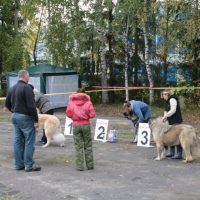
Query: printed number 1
(101, 134)
(70, 130)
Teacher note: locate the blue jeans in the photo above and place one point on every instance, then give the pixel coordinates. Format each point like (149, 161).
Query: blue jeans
(24, 140)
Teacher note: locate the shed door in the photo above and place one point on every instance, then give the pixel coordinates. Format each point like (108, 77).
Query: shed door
(61, 84)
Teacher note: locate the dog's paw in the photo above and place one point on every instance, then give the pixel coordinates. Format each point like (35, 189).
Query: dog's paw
(188, 160)
(157, 158)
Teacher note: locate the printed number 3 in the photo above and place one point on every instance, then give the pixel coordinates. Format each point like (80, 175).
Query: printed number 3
(101, 134)
(145, 134)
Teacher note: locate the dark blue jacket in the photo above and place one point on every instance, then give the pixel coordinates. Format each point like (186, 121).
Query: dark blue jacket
(141, 110)
(20, 99)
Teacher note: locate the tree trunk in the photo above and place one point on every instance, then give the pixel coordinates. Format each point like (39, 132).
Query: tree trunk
(126, 56)
(16, 16)
(36, 40)
(147, 58)
(104, 81)
(103, 66)
(135, 55)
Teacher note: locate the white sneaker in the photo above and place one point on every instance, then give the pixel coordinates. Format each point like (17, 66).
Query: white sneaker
(135, 139)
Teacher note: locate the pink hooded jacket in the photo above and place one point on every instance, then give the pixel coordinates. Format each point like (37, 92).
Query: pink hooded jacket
(80, 109)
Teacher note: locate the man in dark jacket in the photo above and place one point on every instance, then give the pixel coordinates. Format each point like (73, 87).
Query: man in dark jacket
(173, 116)
(20, 101)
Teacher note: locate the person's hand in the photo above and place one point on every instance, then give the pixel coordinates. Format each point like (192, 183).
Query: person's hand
(5, 109)
(164, 119)
(36, 125)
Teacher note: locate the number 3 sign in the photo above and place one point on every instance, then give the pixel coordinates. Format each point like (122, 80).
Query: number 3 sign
(101, 130)
(144, 135)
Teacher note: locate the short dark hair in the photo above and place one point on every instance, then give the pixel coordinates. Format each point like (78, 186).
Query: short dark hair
(80, 90)
(127, 103)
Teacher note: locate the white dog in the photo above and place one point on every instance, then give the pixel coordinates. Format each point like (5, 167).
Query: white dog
(52, 128)
(167, 135)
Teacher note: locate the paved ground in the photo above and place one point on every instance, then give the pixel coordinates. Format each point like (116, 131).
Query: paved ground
(122, 171)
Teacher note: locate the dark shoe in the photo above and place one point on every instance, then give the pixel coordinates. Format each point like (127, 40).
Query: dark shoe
(168, 155)
(34, 168)
(21, 168)
(42, 142)
(179, 152)
(79, 169)
(90, 168)
(177, 156)
(170, 151)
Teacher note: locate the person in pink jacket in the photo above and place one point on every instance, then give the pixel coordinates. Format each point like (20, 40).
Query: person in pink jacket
(80, 109)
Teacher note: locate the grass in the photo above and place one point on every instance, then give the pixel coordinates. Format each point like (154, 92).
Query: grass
(5, 119)
(7, 197)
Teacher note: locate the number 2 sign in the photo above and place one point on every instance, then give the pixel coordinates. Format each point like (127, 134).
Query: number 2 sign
(144, 135)
(101, 130)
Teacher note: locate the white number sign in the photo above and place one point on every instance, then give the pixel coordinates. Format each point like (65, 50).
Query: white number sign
(144, 135)
(101, 130)
(68, 127)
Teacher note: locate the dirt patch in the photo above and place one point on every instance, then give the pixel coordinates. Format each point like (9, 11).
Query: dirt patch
(122, 170)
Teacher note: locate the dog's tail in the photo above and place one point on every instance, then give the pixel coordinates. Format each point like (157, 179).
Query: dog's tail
(59, 139)
(59, 129)
(196, 147)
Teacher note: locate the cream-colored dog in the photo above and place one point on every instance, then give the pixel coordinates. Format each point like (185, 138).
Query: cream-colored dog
(168, 135)
(51, 125)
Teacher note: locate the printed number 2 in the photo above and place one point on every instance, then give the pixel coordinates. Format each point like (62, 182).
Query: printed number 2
(101, 134)
(145, 134)
(70, 130)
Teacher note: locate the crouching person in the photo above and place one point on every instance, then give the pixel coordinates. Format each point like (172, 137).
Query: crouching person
(80, 109)
(141, 111)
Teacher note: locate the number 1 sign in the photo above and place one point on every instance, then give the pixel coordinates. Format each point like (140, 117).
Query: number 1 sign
(101, 130)
(68, 127)
(144, 135)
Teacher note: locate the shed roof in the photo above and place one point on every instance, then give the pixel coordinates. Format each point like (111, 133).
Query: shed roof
(43, 69)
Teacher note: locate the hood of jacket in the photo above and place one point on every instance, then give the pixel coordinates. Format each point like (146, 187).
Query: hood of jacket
(79, 99)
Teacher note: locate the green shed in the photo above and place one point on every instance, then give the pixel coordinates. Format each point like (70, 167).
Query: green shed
(51, 80)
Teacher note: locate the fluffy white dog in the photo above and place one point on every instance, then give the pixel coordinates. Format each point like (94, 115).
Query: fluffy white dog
(51, 125)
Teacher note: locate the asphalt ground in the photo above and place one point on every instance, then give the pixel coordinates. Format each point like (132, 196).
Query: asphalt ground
(123, 171)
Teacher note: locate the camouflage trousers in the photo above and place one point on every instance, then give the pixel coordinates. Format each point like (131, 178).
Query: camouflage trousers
(83, 146)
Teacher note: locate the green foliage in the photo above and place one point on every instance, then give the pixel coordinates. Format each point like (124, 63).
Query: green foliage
(12, 52)
(71, 35)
